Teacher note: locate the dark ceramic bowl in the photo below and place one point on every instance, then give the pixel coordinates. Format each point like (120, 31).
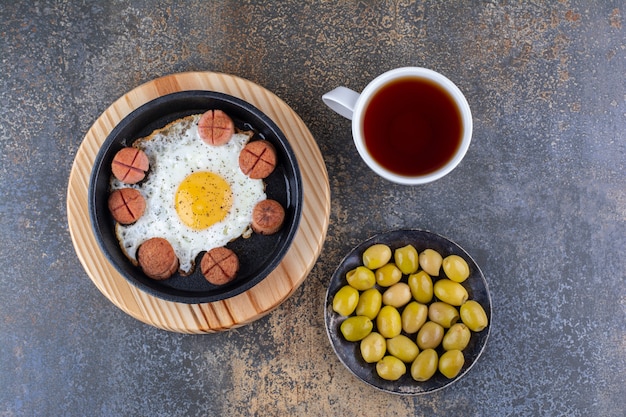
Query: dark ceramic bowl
(349, 352)
(258, 255)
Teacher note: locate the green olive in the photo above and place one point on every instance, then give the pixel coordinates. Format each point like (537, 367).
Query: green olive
(430, 335)
(451, 362)
(398, 295)
(425, 365)
(443, 314)
(361, 278)
(457, 337)
(430, 261)
(455, 268)
(473, 316)
(390, 368)
(450, 292)
(402, 348)
(421, 285)
(373, 347)
(369, 303)
(376, 256)
(345, 300)
(355, 328)
(406, 259)
(388, 274)
(413, 316)
(389, 322)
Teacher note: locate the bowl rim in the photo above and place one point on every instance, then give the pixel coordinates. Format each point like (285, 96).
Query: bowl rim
(293, 183)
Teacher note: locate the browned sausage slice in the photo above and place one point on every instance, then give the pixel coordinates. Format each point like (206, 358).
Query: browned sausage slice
(130, 165)
(157, 258)
(267, 217)
(126, 205)
(258, 159)
(219, 265)
(215, 127)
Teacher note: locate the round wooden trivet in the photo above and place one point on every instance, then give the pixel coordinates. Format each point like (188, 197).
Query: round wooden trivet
(238, 310)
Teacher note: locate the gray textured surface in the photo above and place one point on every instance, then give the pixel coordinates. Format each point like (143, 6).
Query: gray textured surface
(539, 201)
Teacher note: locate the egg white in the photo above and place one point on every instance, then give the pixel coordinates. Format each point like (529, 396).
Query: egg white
(175, 152)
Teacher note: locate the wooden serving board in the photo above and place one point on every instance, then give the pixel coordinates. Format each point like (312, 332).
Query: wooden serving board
(243, 308)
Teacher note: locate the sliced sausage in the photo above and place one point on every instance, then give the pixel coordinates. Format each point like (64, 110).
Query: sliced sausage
(258, 159)
(130, 165)
(215, 127)
(267, 217)
(157, 258)
(219, 265)
(126, 205)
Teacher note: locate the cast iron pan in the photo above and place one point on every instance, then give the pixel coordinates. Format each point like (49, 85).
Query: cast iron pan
(258, 255)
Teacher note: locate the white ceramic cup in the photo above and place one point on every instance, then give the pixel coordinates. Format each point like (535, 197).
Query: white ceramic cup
(353, 105)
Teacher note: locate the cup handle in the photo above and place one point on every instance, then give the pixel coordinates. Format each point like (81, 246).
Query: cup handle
(342, 100)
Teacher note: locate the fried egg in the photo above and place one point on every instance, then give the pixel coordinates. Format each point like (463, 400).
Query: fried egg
(197, 197)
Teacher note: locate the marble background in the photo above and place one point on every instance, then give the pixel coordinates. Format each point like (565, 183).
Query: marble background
(539, 202)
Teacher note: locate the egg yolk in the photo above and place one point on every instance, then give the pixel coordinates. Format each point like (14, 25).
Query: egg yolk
(203, 199)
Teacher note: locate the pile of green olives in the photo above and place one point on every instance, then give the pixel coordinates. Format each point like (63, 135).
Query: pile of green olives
(406, 314)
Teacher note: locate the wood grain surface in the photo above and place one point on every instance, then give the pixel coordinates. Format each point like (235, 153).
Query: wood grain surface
(243, 308)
